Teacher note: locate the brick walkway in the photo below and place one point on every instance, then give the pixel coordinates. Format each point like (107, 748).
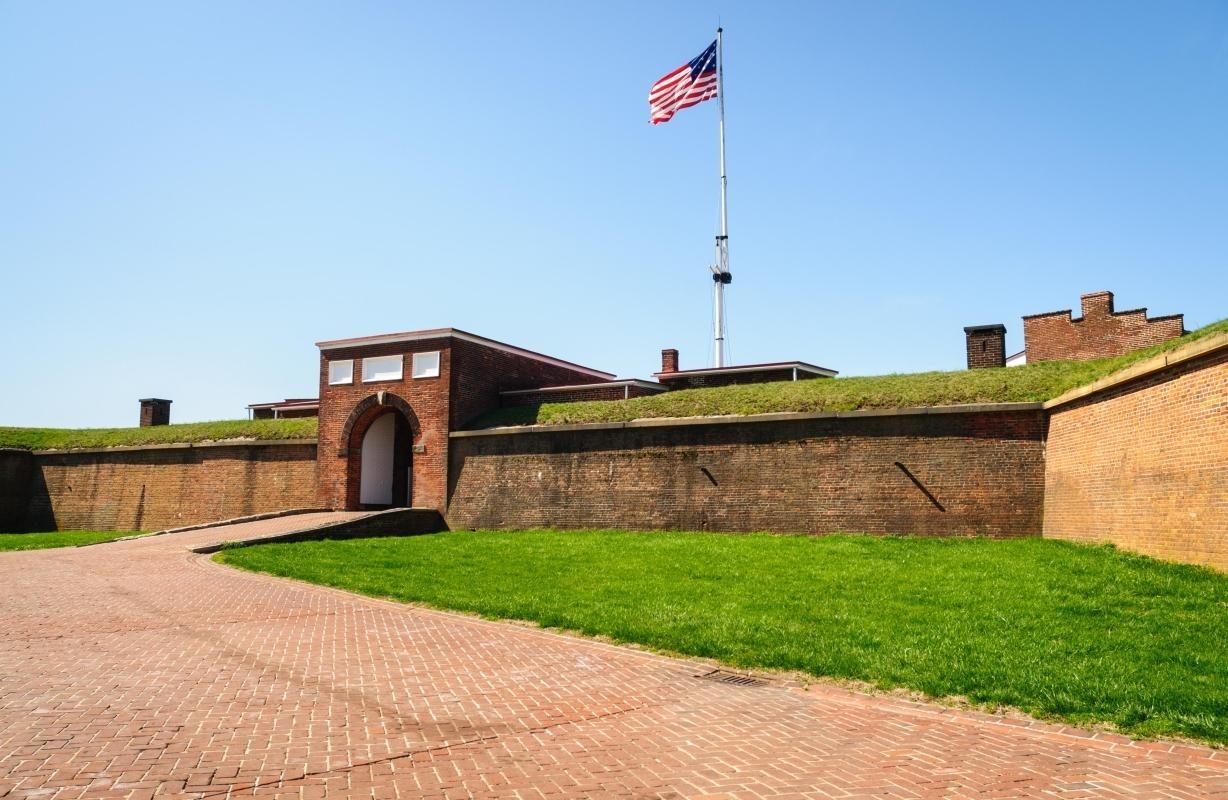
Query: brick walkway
(136, 669)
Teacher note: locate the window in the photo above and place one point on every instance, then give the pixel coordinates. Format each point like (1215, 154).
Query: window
(426, 365)
(341, 372)
(383, 368)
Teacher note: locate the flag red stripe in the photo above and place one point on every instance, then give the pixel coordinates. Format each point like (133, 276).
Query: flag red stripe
(683, 88)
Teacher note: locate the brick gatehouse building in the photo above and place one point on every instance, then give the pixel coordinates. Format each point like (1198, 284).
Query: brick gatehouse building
(387, 404)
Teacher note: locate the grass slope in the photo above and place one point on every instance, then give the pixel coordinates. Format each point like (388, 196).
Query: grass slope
(1085, 634)
(42, 541)
(1029, 383)
(65, 438)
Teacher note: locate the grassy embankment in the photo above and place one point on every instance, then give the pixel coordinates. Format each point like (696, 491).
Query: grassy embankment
(1064, 631)
(1029, 383)
(191, 432)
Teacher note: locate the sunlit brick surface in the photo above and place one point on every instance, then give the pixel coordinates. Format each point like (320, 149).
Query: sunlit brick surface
(136, 669)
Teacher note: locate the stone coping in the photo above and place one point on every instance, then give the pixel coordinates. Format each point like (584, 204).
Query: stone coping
(1149, 366)
(126, 448)
(735, 419)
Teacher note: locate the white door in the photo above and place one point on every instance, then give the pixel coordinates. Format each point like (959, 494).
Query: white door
(375, 487)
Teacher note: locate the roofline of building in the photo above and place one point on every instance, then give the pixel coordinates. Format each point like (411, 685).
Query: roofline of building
(1067, 311)
(285, 404)
(801, 365)
(464, 336)
(576, 387)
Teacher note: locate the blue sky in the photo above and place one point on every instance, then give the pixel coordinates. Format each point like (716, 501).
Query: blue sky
(192, 194)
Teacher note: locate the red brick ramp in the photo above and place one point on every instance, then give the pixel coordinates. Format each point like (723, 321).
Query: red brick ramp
(392, 522)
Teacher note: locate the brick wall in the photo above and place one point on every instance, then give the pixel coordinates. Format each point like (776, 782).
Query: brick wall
(1145, 464)
(152, 488)
(16, 469)
(1099, 333)
(931, 474)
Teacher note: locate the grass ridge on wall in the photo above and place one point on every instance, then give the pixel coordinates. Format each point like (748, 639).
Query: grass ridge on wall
(186, 433)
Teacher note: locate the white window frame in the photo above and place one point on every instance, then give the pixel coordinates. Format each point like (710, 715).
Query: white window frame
(425, 370)
(380, 368)
(348, 364)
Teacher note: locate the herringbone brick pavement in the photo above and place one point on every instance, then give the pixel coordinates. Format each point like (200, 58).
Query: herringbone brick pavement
(138, 669)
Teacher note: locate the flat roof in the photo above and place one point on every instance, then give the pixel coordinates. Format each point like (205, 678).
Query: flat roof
(798, 365)
(456, 333)
(576, 387)
(292, 403)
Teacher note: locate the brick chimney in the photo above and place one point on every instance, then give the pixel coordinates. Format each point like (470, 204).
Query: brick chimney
(986, 346)
(1097, 304)
(669, 360)
(155, 411)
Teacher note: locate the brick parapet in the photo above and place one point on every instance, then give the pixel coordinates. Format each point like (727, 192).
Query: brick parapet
(1141, 460)
(1099, 333)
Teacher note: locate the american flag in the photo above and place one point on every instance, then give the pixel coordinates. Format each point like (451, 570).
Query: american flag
(690, 84)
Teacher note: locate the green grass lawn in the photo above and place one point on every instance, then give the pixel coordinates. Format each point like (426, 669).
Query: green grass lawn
(42, 541)
(64, 438)
(1029, 383)
(1084, 634)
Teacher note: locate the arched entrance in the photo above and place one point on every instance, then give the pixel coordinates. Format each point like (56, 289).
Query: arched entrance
(380, 436)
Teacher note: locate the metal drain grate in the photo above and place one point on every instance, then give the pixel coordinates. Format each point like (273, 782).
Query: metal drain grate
(733, 678)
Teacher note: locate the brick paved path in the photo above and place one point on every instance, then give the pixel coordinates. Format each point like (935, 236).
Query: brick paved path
(136, 669)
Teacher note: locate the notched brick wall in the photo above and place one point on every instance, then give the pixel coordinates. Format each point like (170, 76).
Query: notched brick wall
(1099, 333)
(157, 488)
(941, 474)
(1145, 465)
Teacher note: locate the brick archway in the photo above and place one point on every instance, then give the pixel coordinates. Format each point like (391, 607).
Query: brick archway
(408, 430)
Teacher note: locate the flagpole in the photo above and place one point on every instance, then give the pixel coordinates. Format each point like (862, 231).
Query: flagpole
(721, 275)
